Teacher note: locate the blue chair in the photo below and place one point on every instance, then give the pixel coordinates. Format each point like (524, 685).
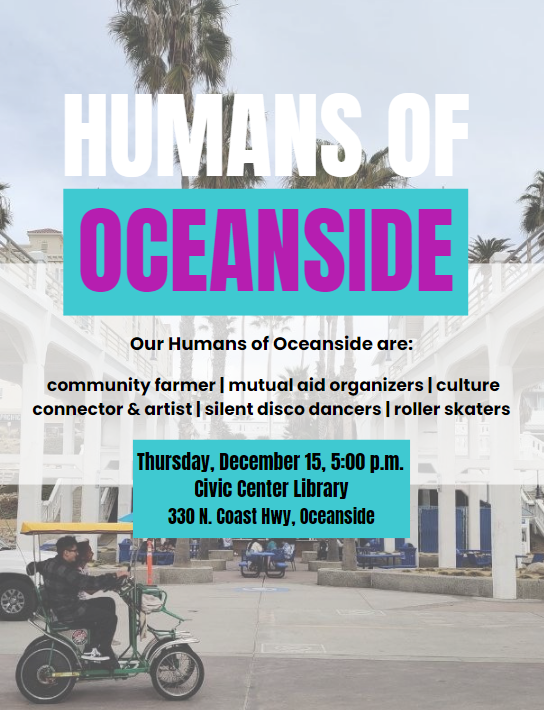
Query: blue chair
(276, 565)
(291, 558)
(408, 555)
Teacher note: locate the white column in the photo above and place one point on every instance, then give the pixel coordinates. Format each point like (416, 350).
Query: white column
(505, 498)
(126, 438)
(68, 435)
(90, 489)
(446, 490)
(150, 427)
(412, 433)
(474, 490)
(473, 437)
(388, 433)
(124, 506)
(66, 502)
(124, 496)
(31, 451)
(414, 520)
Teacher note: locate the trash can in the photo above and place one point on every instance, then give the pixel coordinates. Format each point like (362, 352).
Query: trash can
(124, 550)
(409, 554)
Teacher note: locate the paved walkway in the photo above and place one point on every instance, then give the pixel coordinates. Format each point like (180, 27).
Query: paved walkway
(290, 644)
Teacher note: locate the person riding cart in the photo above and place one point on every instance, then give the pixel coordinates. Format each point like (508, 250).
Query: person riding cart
(63, 583)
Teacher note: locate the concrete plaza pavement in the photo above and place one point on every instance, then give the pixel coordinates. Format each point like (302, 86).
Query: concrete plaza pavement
(288, 643)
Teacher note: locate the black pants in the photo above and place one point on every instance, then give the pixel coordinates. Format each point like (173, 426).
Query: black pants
(101, 620)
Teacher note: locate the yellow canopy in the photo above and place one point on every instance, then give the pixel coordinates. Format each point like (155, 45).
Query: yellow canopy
(76, 528)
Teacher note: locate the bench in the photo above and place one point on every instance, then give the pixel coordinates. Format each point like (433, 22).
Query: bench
(247, 568)
(474, 558)
(276, 569)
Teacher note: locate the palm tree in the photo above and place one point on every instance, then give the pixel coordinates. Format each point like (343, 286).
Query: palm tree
(332, 327)
(373, 173)
(173, 46)
(304, 320)
(187, 332)
(533, 212)
(221, 327)
(242, 356)
(204, 547)
(348, 368)
(481, 250)
(349, 554)
(333, 553)
(6, 217)
(348, 371)
(273, 324)
(305, 425)
(182, 552)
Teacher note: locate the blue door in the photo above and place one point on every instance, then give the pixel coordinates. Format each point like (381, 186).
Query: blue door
(428, 528)
(485, 528)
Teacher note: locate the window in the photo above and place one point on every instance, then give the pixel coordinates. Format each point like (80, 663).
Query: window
(44, 245)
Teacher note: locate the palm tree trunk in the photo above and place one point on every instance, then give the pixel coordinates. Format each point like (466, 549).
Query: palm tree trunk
(331, 367)
(348, 371)
(349, 557)
(269, 373)
(243, 361)
(219, 358)
(185, 182)
(349, 358)
(331, 359)
(332, 553)
(321, 425)
(321, 372)
(304, 318)
(182, 552)
(187, 331)
(204, 548)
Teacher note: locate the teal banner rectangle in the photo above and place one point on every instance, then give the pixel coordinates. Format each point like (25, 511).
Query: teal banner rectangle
(350, 254)
(272, 489)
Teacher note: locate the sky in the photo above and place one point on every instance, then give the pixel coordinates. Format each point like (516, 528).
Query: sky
(372, 49)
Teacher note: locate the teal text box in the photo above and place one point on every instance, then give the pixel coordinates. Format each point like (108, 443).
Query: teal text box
(385, 491)
(125, 299)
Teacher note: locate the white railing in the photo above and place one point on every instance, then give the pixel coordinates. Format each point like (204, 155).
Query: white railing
(538, 512)
(51, 507)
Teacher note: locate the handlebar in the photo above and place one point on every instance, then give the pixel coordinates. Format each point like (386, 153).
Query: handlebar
(123, 584)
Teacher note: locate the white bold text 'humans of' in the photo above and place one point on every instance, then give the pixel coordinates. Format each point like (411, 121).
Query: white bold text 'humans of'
(295, 134)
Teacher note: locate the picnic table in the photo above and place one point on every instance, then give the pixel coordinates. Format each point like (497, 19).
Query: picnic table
(378, 559)
(272, 563)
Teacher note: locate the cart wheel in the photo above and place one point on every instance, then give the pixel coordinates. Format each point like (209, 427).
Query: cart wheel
(33, 674)
(177, 673)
